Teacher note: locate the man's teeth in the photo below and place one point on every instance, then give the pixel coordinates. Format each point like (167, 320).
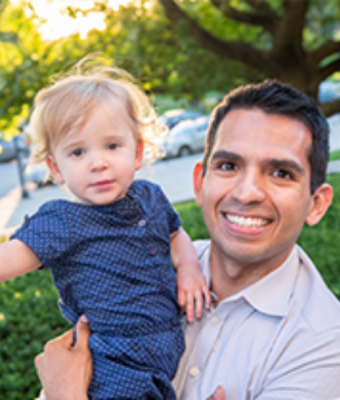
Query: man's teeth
(247, 222)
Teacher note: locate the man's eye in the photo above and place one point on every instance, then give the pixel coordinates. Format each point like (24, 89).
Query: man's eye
(112, 146)
(227, 166)
(282, 174)
(77, 152)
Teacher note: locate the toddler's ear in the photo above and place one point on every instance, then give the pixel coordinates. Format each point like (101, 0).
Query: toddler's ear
(139, 156)
(54, 169)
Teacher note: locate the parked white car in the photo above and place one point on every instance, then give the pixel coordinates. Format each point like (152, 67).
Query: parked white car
(173, 117)
(187, 137)
(37, 173)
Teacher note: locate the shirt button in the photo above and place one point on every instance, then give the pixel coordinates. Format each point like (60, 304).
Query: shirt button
(194, 372)
(215, 320)
(152, 252)
(141, 222)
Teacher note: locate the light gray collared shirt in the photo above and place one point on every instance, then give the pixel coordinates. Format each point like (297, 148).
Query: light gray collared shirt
(278, 339)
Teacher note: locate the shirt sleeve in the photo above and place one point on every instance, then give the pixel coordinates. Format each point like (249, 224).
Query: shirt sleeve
(48, 233)
(173, 218)
(312, 374)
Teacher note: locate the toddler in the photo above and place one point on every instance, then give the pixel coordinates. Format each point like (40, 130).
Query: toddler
(110, 249)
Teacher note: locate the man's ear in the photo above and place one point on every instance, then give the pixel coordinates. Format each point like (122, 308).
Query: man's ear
(321, 200)
(198, 182)
(54, 169)
(139, 156)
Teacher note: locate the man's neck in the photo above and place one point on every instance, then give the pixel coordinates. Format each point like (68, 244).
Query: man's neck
(228, 278)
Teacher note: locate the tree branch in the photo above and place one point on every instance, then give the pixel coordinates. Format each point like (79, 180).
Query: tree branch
(330, 108)
(291, 24)
(9, 37)
(227, 49)
(263, 7)
(329, 69)
(326, 49)
(260, 17)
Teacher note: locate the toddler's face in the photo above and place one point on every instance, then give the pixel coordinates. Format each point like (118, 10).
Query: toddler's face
(98, 161)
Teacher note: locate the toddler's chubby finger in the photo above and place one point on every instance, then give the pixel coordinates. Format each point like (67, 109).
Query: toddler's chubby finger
(181, 298)
(207, 297)
(190, 303)
(198, 303)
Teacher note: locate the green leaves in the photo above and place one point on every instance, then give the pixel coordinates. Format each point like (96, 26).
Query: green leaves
(29, 316)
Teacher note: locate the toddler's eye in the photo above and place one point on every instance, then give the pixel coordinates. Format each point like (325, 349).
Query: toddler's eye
(112, 146)
(77, 152)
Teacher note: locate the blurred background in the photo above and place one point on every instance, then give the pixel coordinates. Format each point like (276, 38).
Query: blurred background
(186, 55)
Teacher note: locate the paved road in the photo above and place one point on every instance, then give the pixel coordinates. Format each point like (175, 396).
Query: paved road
(334, 126)
(9, 177)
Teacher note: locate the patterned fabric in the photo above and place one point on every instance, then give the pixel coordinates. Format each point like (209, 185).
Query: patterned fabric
(112, 263)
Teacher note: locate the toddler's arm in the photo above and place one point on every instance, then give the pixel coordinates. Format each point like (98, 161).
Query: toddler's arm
(16, 259)
(191, 284)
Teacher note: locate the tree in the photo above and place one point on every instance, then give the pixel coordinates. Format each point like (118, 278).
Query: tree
(27, 63)
(296, 40)
(6, 36)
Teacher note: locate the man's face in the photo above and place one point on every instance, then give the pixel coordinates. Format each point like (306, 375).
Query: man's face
(256, 196)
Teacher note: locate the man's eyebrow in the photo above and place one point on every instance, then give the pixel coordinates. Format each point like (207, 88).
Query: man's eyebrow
(286, 164)
(225, 155)
(272, 162)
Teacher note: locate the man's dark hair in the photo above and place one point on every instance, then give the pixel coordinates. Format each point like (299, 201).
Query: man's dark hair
(274, 97)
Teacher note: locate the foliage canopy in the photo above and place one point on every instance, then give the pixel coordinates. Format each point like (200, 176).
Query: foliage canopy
(181, 48)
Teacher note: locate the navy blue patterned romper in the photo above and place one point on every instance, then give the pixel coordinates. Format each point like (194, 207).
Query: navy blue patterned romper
(112, 263)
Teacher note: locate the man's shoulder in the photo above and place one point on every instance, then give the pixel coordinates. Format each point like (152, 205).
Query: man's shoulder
(320, 308)
(201, 247)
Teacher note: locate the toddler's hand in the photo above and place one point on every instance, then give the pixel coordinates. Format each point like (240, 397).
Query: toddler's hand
(192, 290)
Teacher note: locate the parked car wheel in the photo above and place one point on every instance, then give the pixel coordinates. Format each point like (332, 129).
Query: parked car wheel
(184, 151)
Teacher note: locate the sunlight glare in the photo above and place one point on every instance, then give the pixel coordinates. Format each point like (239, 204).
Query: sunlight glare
(59, 24)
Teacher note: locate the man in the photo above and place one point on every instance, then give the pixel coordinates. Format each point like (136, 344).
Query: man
(274, 330)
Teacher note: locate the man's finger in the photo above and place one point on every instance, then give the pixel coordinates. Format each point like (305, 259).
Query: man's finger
(64, 341)
(219, 394)
(83, 333)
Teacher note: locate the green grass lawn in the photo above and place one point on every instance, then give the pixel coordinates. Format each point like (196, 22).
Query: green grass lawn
(29, 314)
(334, 155)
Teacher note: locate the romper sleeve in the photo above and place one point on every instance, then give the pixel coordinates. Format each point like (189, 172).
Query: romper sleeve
(173, 218)
(48, 233)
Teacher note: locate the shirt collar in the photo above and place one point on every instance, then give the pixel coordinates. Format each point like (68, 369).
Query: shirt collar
(271, 294)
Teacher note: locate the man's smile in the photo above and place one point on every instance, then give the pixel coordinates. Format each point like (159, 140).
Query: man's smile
(247, 222)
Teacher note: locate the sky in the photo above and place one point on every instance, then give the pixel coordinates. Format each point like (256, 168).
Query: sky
(59, 25)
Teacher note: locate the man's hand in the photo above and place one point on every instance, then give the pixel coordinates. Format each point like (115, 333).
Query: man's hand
(65, 371)
(219, 394)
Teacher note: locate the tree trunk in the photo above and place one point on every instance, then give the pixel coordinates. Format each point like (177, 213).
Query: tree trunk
(287, 61)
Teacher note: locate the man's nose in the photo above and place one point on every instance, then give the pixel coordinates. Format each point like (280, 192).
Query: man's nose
(250, 187)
